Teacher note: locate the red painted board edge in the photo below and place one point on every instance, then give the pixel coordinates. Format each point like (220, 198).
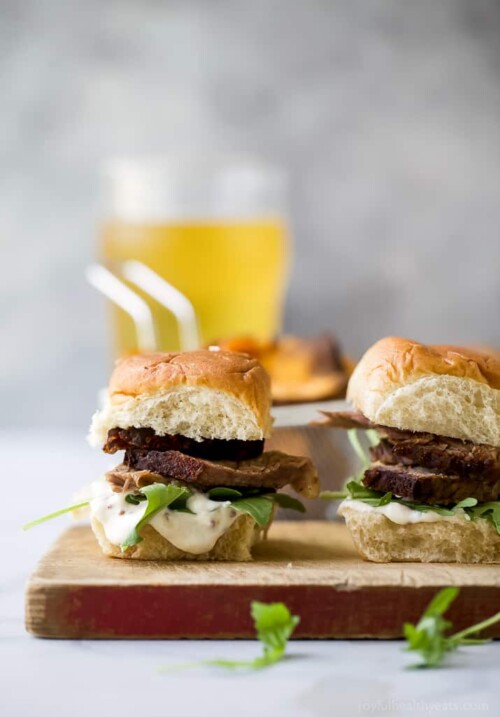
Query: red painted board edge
(219, 611)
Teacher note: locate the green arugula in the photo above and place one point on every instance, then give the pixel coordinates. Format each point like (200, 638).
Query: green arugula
(255, 502)
(490, 511)
(274, 625)
(158, 496)
(259, 508)
(355, 490)
(360, 451)
(287, 501)
(428, 636)
(224, 494)
(56, 514)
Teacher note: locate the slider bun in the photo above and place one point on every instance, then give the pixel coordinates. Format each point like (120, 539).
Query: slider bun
(234, 544)
(459, 540)
(445, 390)
(199, 394)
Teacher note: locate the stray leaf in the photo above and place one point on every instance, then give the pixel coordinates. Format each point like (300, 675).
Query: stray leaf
(56, 514)
(274, 625)
(428, 636)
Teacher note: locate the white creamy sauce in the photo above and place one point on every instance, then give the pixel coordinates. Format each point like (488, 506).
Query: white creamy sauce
(195, 532)
(118, 518)
(397, 513)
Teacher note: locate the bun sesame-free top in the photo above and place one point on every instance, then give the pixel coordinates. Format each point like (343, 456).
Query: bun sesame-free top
(447, 390)
(199, 394)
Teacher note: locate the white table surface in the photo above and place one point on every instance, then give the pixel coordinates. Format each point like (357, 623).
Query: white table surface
(93, 678)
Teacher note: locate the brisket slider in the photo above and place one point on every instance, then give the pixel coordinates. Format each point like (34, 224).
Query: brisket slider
(195, 482)
(432, 491)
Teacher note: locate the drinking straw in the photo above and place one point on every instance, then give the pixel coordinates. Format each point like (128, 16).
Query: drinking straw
(119, 293)
(169, 297)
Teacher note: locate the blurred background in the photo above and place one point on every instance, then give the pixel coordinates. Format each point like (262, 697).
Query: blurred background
(384, 113)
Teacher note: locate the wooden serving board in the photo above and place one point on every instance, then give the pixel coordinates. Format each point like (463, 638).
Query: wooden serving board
(76, 592)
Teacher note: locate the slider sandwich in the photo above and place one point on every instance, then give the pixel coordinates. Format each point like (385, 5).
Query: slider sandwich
(194, 482)
(430, 489)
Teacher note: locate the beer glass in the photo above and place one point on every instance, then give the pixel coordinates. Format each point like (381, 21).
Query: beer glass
(215, 228)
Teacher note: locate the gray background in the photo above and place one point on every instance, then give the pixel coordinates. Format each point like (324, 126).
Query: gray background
(385, 112)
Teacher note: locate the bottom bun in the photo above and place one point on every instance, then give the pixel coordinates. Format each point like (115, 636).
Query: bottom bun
(235, 544)
(446, 541)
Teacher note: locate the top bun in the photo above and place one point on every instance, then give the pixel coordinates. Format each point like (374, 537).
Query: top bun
(199, 394)
(446, 390)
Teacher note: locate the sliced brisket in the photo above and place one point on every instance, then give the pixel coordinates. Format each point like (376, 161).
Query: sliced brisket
(121, 439)
(427, 486)
(270, 470)
(443, 455)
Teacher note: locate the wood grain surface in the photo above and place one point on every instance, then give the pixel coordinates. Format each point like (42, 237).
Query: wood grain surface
(76, 592)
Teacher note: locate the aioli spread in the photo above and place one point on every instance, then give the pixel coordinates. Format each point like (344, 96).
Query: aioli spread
(194, 532)
(400, 514)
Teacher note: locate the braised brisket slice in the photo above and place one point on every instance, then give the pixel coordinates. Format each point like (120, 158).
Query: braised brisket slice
(443, 455)
(427, 486)
(424, 467)
(122, 439)
(270, 470)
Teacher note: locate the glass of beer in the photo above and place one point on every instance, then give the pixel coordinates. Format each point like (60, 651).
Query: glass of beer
(214, 228)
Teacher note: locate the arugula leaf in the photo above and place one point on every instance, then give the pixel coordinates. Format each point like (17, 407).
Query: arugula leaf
(158, 496)
(259, 507)
(428, 636)
(224, 493)
(274, 625)
(474, 510)
(365, 460)
(490, 511)
(256, 502)
(355, 490)
(372, 436)
(287, 501)
(425, 507)
(466, 503)
(56, 514)
(134, 498)
(333, 494)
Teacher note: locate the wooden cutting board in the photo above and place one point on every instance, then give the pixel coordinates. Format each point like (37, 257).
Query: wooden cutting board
(76, 592)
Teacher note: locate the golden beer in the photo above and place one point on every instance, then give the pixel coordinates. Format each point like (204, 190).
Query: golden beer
(234, 274)
(213, 226)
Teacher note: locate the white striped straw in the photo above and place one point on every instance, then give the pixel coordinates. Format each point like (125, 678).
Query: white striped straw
(169, 297)
(119, 293)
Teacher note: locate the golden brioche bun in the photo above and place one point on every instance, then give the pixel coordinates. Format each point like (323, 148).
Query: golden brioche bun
(199, 394)
(445, 390)
(459, 540)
